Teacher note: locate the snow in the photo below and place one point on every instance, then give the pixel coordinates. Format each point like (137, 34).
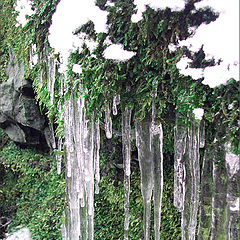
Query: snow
(141, 6)
(183, 66)
(76, 13)
(235, 207)
(198, 113)
(116, 52)
(77, 68)
(220, 39)
(24, 9)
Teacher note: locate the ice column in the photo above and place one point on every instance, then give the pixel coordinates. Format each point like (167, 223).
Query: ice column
(116, 101)
(108, 122)
(219, 201)
(156, 146)
(82, 164)
(205, 210)
(202, 134)
(40, 78)
(51, 77)
(191, 184)
(233, 193)
(180, 141)
(145, 157)
(59, 156)
(96, 156)
(157, 149)
(187, 175)
(126, 150)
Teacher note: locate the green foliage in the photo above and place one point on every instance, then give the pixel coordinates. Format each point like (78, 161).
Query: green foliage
(32, 193)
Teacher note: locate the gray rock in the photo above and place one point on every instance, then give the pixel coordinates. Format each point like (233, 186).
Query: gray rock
(15, 133)
(19, 113)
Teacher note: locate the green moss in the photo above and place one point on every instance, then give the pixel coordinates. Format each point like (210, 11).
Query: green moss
(32, 192)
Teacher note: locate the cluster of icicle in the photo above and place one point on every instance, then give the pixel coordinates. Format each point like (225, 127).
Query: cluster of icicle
(82, 142)
(149, 141)
(214, 187)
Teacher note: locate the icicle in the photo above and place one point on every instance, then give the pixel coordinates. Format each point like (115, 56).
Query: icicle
(59, 156)
(219, 202)
(40, 78)
(233, 189)
(126, 150)
(116, 101)
(96, 156)
(191, 184)
(108, 122)
(180, 135)
(205, 211)
(202, 134)
(145, 157)
(51, 78)
(79, 141)
(157, 148)
(89, 175)
(61, 83)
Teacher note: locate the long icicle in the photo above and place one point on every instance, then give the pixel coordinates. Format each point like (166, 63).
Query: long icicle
(145, 157)
(96, 156)
(126, 150)
(156, 146)
(180, 138)
(219, 202)
(205, 210)
(233, 190)
(108, 121)
(187, 176)
(158, 177)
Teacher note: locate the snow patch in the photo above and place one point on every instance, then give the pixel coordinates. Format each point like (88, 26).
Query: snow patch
(175, 5)
(198, 113)
(116, 52)
(25, 9)
(220, 39)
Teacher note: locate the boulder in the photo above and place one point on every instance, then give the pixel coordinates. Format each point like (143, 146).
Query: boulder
(19, 114)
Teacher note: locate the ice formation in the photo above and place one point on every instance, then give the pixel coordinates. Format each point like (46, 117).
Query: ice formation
(126, 151)
(149, 141)
(219, 199)
(187, 176)
(116, 101)
(108, 121)
(145, 157)
(205, 209)
(82, 165)
(51, 77)
(180, 141)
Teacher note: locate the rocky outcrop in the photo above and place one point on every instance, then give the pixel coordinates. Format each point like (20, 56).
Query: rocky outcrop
(19, 114)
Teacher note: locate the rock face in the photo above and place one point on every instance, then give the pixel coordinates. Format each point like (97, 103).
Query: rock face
(19, 114)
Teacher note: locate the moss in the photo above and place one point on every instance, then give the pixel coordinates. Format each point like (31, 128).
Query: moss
(32, 192)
